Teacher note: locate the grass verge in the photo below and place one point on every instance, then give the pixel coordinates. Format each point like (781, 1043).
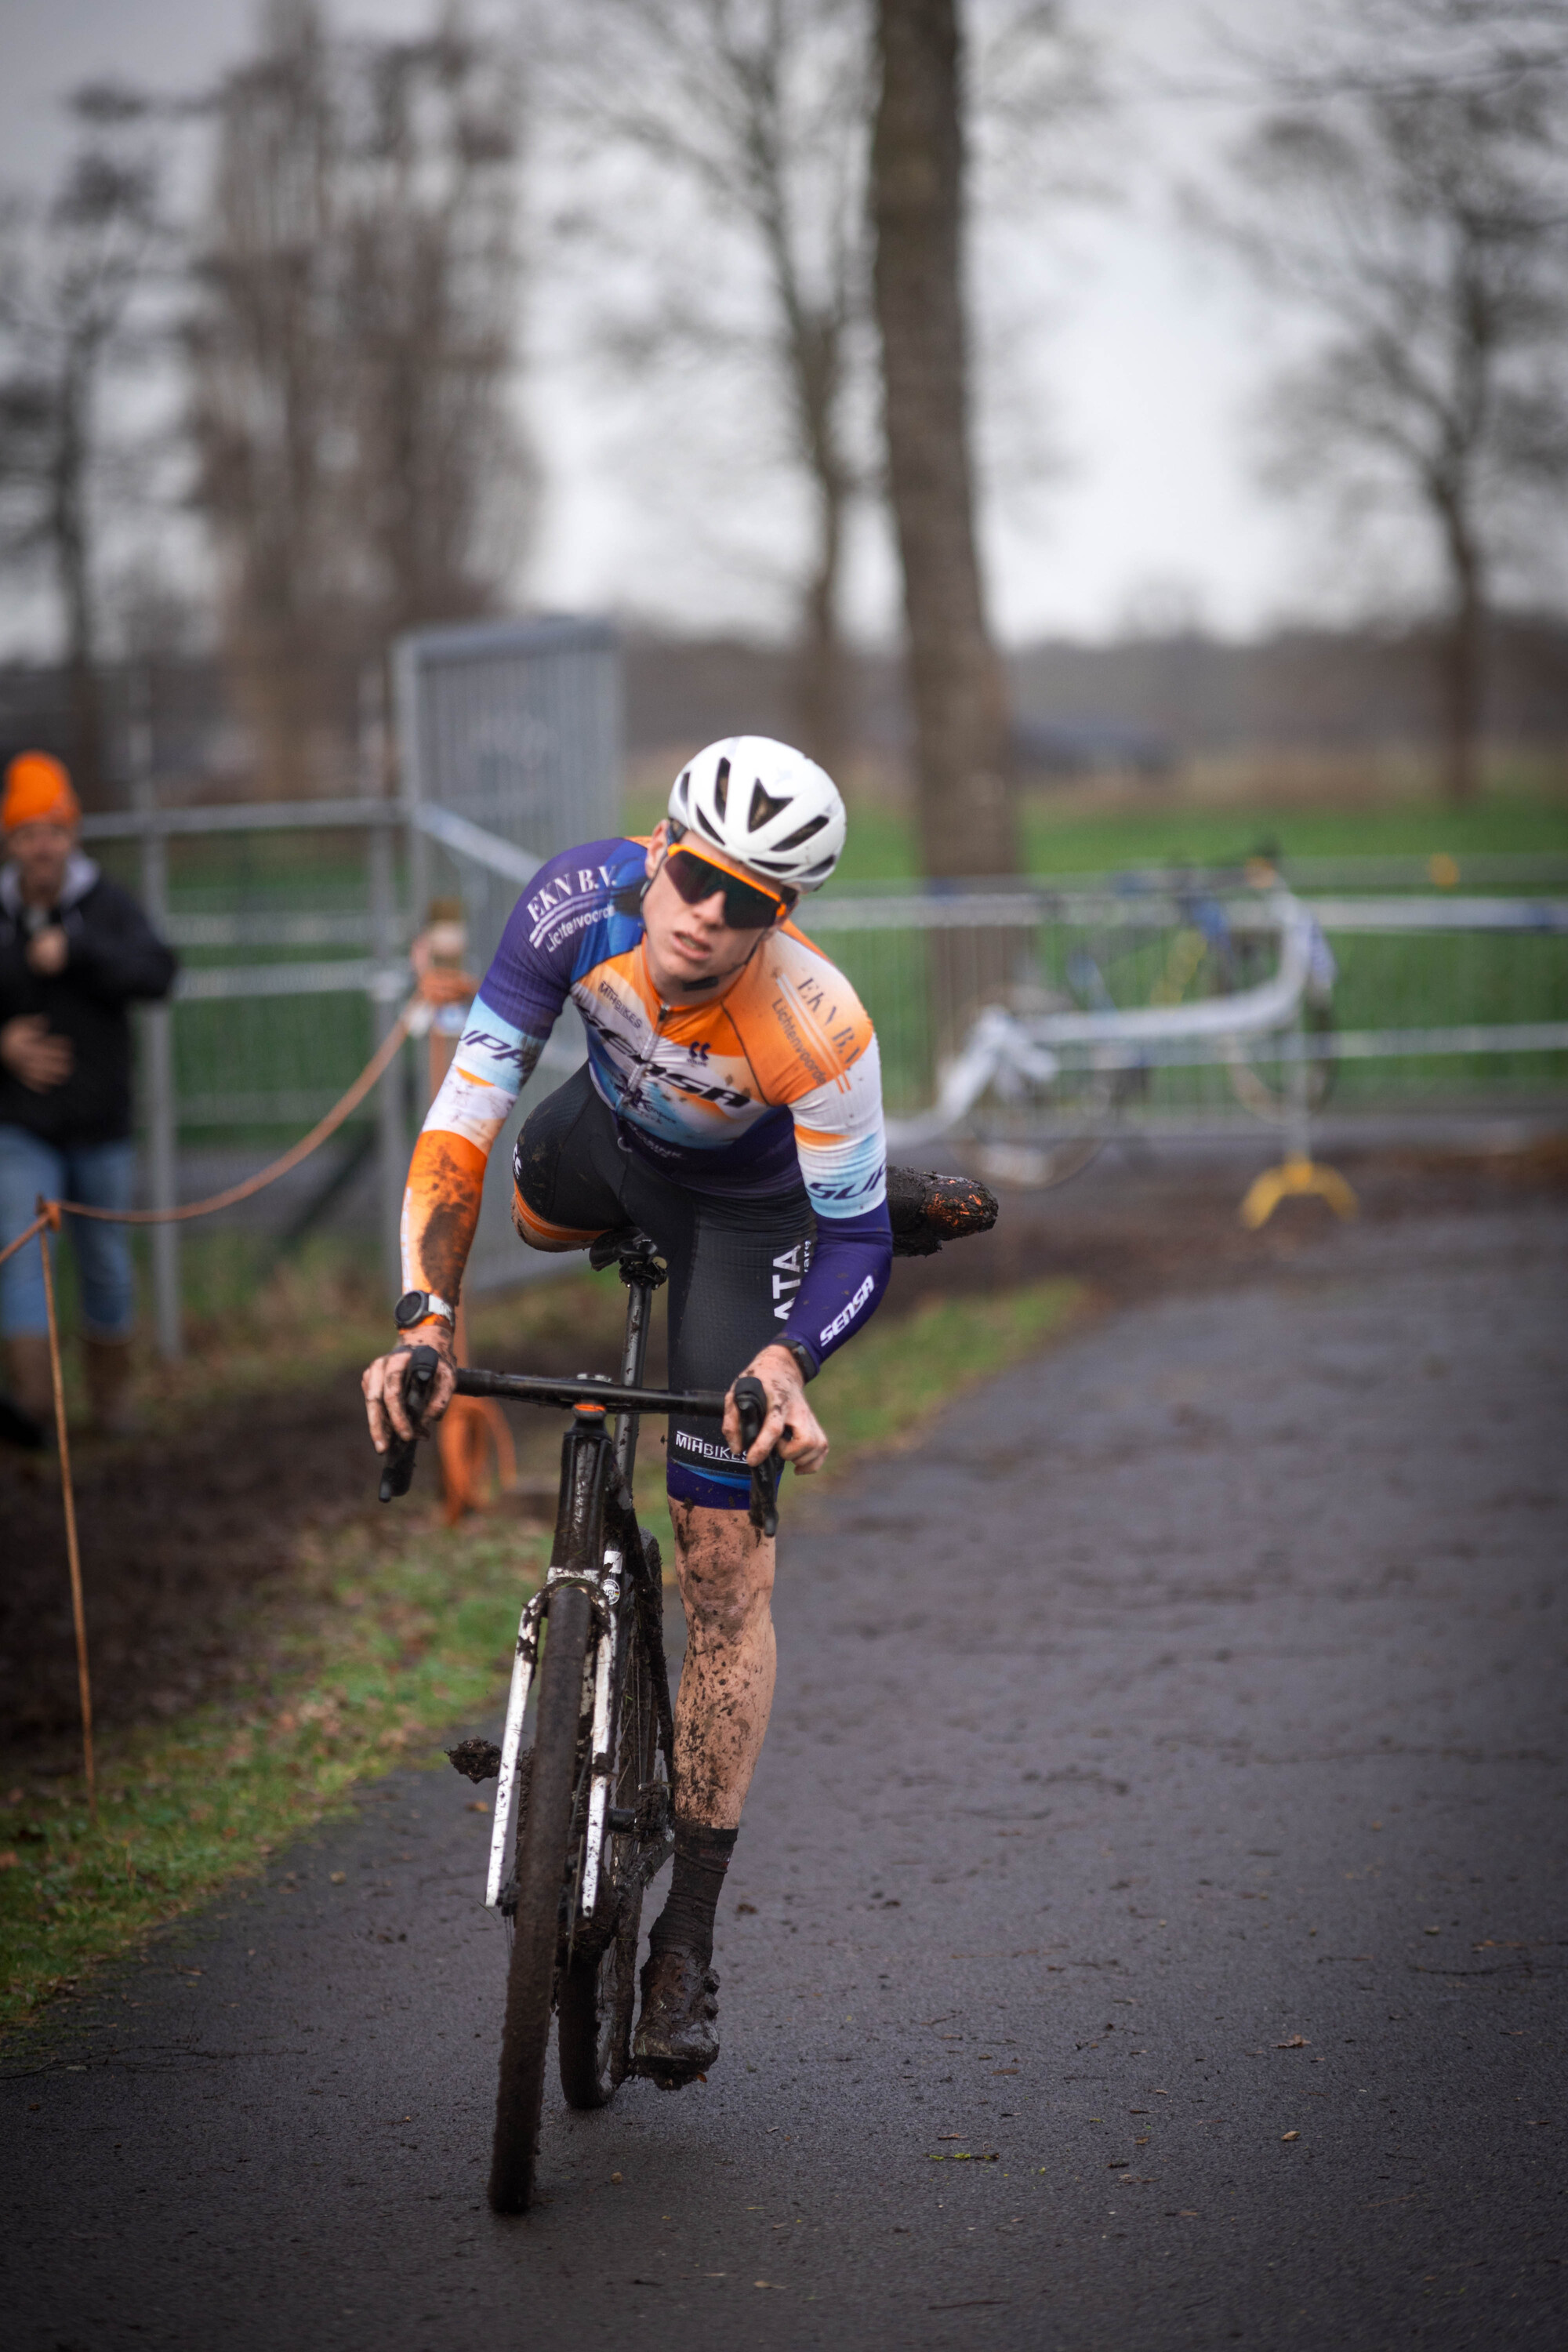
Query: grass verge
(387, 1640)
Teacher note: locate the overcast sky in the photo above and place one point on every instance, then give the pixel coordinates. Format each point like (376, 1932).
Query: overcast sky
(1145, 370)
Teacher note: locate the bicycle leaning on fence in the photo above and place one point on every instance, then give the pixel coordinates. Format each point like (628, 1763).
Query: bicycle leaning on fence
(592, 1797)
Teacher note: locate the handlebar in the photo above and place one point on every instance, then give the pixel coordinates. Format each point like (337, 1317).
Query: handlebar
(397, 1470)
(751, 1410)
(524, 1388)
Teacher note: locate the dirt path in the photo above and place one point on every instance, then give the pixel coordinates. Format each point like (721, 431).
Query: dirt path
(1165, 1797)
(185, 1536)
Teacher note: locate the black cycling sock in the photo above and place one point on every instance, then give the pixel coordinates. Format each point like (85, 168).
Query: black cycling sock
(702, 1858)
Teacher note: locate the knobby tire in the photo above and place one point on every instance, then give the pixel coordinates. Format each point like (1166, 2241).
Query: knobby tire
(598, 1986)
(544, 1838)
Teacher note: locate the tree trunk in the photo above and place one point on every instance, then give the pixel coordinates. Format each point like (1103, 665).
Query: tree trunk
(70, 532)
(1461, 661)
(821, 682)
(966, 819)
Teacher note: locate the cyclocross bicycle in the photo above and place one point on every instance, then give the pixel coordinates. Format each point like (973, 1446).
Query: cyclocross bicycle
(592, 1797)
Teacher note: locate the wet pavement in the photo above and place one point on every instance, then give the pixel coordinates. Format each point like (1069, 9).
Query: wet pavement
(1147, 1929)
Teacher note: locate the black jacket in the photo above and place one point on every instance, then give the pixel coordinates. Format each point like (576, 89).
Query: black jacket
(115, 956)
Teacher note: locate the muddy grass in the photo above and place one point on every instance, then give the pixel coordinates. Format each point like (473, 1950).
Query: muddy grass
(187, 1534)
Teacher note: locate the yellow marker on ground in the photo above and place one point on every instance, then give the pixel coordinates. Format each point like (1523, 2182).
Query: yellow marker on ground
(1265, 1192)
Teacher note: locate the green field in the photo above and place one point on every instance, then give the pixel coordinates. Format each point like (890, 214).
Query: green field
(1068, 839)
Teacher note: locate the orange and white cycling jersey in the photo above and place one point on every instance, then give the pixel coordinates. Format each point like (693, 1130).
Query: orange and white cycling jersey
(775, 1084)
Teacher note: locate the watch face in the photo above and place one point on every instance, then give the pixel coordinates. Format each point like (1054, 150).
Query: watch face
(409, 1309)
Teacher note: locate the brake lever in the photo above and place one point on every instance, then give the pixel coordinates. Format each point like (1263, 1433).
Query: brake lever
(751, 1408)
(398, 1464)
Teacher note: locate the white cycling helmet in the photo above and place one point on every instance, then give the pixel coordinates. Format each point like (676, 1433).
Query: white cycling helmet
(764, 805)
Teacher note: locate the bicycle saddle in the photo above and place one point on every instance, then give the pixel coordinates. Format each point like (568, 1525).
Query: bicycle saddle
(926, 1210)
(625, 1246)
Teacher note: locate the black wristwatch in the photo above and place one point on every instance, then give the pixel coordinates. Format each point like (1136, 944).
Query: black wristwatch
(803, 1356)
(419, 1307)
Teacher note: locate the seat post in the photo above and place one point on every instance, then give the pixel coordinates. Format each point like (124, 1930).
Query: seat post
(642, 1274)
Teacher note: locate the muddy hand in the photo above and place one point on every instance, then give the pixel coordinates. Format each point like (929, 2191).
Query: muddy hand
(382, 1387)
(791, 1424)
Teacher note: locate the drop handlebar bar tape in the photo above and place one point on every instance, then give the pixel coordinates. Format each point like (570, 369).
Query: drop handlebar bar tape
(751, 1406)
(397, 1470)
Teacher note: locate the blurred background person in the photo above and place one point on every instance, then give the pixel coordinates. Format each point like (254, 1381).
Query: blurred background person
(75, 950)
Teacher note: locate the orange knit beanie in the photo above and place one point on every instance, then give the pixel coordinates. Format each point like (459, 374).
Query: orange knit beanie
(38, 791)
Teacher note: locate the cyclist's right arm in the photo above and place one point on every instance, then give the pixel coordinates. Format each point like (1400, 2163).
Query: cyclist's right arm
(548, 935)
(493, 1063)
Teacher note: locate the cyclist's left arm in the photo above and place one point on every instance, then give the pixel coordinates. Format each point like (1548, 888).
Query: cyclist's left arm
(842, 1150)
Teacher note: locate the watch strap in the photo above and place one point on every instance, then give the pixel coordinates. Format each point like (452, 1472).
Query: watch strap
(417, 1307)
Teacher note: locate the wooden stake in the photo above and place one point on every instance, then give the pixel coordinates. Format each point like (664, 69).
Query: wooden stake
(51, 1210)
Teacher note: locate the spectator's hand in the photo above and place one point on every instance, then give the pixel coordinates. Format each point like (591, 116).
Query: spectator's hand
(791, 1424)
(48, 951)
(382, 1386)
(32, 1053)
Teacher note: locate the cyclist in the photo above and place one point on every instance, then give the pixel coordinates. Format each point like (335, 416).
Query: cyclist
(731, 1108)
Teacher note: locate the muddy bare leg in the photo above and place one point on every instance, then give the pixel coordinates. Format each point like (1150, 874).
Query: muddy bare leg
(726, 1571)
(726, 1692)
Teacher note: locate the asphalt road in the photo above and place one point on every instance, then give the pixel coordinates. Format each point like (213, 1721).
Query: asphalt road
(1147, 1929)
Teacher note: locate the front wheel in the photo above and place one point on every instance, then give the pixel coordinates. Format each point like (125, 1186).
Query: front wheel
(543, 1855)
(598, 1989)
(596, 2003)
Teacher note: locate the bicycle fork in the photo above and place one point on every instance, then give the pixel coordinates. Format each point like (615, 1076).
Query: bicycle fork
(578, 1557)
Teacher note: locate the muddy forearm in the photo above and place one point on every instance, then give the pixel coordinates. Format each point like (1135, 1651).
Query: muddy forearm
(440, 1210)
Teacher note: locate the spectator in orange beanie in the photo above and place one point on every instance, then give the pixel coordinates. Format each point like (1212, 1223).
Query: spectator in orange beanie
(75, 950)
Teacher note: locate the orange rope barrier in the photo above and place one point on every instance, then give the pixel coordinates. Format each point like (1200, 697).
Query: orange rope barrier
(379, 1062)
(26, 1234)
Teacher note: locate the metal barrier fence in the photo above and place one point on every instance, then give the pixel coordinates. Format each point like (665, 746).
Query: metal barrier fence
(294, 922)
(294, 919)
(509, 749)
(1433, 998)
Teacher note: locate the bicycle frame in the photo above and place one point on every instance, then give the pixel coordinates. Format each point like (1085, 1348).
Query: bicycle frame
(597, 1546)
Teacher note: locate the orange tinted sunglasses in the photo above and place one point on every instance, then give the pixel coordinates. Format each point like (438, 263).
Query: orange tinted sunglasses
(748, 907)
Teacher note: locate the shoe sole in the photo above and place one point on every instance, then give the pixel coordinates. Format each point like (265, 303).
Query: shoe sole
(665, 2077)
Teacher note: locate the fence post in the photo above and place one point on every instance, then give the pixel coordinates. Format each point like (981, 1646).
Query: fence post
(158, 1042)
(1298, 1100)
(410, 770)
(392, 1139)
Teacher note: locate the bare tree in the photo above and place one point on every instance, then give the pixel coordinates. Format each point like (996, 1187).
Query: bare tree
(353, 351)
(430, 298)
(1412, 200)
(720, 163)
(269, 395)
(962, 727)
(69, 280)
(758, 109)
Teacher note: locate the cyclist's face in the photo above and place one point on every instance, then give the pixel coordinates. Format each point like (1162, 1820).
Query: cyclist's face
(689, 947)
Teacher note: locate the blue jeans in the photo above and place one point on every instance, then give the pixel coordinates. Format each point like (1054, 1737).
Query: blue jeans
(100, 1175)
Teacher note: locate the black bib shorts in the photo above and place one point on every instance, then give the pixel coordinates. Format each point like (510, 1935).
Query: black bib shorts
(735, 1262)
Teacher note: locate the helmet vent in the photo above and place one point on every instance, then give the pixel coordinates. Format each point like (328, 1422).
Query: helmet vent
(798, 840)
(722, 789)
(764, 808)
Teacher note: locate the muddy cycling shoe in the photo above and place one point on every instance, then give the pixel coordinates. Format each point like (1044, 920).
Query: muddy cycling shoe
(678, 2032)
(926, 1210)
